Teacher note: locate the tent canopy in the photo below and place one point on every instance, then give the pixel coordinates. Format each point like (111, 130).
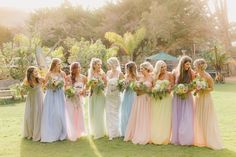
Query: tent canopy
(162, 56)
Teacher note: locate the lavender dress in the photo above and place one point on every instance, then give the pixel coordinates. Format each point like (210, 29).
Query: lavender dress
(182, 120)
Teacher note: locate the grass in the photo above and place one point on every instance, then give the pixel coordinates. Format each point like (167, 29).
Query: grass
(13, 145)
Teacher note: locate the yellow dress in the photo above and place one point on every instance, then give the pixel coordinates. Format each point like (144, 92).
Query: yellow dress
(161, 110)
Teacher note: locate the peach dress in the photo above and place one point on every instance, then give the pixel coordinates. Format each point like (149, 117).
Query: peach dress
(139, 125)
(206, 131)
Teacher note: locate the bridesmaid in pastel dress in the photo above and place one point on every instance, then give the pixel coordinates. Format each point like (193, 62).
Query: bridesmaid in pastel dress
(97, 101)
(205, 126)
(113, 99)
(182, 109)
(139, 125)
(33, 105)
(128, 97)
(53, 125)
(74, 105)
(161, 109)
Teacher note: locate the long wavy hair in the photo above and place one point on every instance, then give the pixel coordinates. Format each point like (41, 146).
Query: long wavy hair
(157, 69)
(93, 62)
(114, 63)
(182, 75)
(200, 64)
(54, 63)
(29, 76)
(131, 69)
(147, 65)
(73, 71)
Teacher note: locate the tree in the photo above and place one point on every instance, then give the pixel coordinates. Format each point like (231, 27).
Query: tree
(84, 50)
(217, 58)
(129, 42)
(17, 55)
(177, 24)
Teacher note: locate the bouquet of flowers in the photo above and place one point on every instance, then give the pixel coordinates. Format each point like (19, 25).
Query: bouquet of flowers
(70, 92)
(55, 84)
(122, 85)
(96, 85)
(139, 87)
(181, 90)
(160, 89)
(199, 84)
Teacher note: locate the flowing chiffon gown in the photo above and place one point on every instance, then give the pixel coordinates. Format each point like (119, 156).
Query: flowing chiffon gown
(75, 114)
(161, 113)
(33, 113)
(53, 125)
(205, 126)
(97, 114)
(125, 109)
(182, 120)
(139, 125)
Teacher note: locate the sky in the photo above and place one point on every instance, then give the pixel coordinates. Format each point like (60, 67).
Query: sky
(29, 5)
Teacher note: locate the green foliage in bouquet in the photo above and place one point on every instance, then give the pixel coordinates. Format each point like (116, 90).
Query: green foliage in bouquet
(160, 89)
(55, 84)
(70, 92)
(96, 85)
(182, 90)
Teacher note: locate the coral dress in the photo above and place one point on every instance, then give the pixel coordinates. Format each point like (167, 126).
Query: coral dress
(139, 125)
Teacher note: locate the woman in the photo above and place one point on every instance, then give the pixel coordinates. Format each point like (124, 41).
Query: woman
(205, 126)
(97, 99)
(34, 104)
(161, 109)
(128, 97)
(138, 129)
(74, 105)
(53, 126)
(182, 108)
(113, 99)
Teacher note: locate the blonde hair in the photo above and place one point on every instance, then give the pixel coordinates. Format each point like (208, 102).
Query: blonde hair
(114, 63)
(53, 64)
(146, 65)
(200, 63)
(157, 69)
(93, 62)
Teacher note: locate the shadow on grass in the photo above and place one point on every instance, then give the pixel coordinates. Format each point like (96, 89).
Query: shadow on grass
(85, 147)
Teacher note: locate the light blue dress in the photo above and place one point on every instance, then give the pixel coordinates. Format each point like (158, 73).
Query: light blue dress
(126, 106)
(53, 125)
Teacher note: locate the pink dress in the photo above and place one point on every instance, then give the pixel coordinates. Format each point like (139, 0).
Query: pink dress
(75, 115)
(139, 124)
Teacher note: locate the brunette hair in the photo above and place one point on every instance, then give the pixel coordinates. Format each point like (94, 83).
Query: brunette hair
(73, 71)
(30, 77)
(184, 76)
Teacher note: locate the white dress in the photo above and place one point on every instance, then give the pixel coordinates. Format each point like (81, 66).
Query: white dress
(113, 101)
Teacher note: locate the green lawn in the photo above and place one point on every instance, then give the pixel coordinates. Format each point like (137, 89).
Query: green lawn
(12, 145)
